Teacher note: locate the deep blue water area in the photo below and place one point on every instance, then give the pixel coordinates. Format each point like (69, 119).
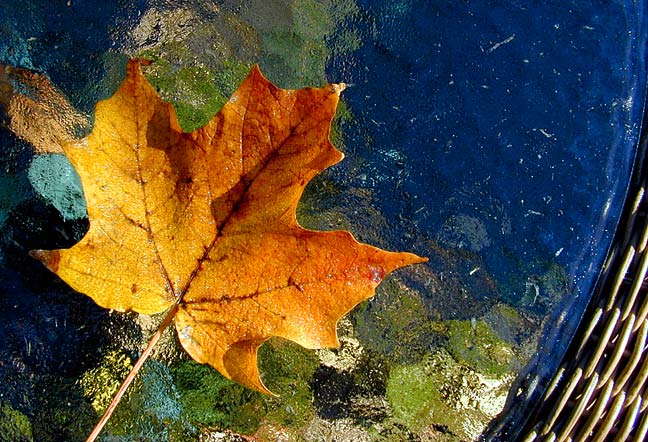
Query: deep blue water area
(507, 111)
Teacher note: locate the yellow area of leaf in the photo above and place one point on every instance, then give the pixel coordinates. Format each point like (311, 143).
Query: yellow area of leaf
(36, 111)
(206, 220)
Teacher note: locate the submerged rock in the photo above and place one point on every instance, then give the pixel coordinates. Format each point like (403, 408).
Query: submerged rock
(53, 178)
(463, 231)
(444, 398)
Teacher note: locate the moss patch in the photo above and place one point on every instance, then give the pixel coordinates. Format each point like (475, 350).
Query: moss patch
(475, 345)
(443, 399)
(396, 323)
(14, 426)
(209, 399)
(343, 116)
(196, 93)
(288, 369)
(100, 384)
(297, 55)
(151, 409)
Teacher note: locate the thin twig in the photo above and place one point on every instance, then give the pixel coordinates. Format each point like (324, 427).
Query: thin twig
(133, 373)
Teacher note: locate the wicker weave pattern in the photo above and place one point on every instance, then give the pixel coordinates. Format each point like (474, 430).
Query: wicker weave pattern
(600, 391)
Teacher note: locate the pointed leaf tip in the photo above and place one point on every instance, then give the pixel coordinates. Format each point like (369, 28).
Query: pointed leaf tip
(137, 63)
(338, 87)
(49, 258)
(415, 259)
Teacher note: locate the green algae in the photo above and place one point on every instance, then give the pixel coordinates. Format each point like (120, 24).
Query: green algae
(312, 19)
(445, 379)
(396, 323)
(475, 345)
(201, 91)
(208, 399)
(297, 55)
(287, 370)
(100, 384)
(14, 425)
(232, 74)
(416, 392)
(343, 116)
(444, 399)
(454, 391)
(294, 59)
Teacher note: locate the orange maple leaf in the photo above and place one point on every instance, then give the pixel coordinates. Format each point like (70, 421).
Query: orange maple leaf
(205, 223)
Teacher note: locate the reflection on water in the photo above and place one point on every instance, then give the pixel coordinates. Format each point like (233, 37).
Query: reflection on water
(494, 138)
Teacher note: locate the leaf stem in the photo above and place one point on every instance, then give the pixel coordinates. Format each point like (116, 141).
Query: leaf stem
(133, 373)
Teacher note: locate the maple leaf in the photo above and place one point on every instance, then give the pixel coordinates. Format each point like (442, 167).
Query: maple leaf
(204, 222)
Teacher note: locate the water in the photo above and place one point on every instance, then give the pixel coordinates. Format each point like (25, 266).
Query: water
(496, 138)
(521, 117)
